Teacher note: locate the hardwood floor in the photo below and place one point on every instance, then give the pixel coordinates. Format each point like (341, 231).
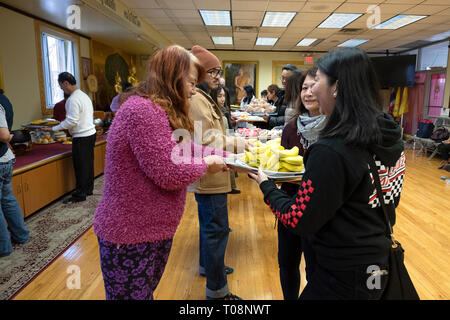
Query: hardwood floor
(423, 228)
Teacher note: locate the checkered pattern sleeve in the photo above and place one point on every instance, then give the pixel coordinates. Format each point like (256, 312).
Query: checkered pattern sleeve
(321, 193)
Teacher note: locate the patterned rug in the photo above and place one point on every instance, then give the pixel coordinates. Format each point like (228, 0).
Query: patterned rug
(52, 230)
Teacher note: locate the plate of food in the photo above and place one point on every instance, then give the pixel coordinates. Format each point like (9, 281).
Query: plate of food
(277, 162)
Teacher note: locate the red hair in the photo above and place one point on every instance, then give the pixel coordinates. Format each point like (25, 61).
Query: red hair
(165, 84)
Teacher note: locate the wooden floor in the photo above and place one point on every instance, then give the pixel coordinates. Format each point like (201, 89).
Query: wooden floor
(423, 227)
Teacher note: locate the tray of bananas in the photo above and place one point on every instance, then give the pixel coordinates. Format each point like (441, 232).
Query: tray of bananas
(277, 162)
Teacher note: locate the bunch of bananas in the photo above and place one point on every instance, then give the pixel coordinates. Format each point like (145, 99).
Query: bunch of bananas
(273, 157)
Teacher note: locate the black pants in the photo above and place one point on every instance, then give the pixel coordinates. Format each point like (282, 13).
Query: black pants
(290, 248)
(83, 163)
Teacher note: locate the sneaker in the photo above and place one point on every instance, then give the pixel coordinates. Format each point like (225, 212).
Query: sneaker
(229, 296)
(228, 270)
(234, 191)
(73, 200)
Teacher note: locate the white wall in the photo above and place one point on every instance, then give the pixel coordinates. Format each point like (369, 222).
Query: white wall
(19, 64)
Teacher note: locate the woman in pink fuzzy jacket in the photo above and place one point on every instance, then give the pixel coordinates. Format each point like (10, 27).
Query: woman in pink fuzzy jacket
(145, 184)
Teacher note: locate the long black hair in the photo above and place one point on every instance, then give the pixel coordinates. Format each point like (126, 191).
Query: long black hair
(299, 106)
(250, 93)
(293, 87)
(358, 101)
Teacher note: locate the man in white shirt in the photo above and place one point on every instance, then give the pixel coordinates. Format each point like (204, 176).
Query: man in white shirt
(80, 123)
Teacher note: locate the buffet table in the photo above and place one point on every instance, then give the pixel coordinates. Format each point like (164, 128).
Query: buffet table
(46, 173)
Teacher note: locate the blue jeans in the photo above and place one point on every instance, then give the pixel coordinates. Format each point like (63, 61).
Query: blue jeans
(213, 220)
(11, 215)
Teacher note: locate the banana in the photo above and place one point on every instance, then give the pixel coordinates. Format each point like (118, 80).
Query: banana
(289, 153)
(282, 169)
(272, 163)
(290, 167)
(297, 161)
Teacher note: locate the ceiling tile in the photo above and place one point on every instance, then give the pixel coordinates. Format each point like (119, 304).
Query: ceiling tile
(445, 13)
(435, 2)
(238, 36)
(141, 4)
(248, 5)
(152, 13)
(246, 23)
(185, 13)
(309, 16)
(403, 1)
(219, 29)
(353, 8)
(320, 6)
(426, 9)
(435, 19)
(212, 4)
(248, 15)
(166, 27)
(189, 21)
(192, 28)
(395, 8)
(290, 6)
(177, 4)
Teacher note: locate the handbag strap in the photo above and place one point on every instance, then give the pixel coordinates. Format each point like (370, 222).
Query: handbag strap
(377, 181)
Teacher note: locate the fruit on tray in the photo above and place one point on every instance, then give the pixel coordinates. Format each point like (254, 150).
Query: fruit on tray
(272, 156)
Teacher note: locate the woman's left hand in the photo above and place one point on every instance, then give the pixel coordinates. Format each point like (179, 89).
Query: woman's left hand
(260, 177)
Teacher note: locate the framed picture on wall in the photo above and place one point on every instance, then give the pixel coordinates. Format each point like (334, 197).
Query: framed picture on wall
(86, 67)
(237, 74)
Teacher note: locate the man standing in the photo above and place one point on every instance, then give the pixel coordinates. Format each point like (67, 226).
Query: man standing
(212, 189)
(80, 123)
(11, 217)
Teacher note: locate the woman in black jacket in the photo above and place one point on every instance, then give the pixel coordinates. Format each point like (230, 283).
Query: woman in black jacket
(336, 204)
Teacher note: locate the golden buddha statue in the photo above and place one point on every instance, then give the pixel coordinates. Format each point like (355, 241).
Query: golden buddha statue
(118, 85)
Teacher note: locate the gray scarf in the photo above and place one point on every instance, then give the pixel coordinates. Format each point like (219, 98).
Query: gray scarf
(309, 128)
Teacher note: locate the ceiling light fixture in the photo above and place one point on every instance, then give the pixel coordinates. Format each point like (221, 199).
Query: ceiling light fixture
(339, 20)
(398, 21)
(266, 41)
(216, 18)
(353, 42)
(278, 19)
(222, 40)
(306, 42)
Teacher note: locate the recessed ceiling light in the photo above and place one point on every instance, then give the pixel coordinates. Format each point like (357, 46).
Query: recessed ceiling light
(398, 21)
(216, 18)
(278, 19)
(339, 20)
(222, 40)
(266, 41)
(353, 43)
(306, 42)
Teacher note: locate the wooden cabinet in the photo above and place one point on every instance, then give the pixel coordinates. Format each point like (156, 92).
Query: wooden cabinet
(66, 175)
(17, 189)
(99, 159)
(36, 188)
(40, 185)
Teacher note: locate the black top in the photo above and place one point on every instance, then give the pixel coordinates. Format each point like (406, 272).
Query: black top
(336, 202)
(9, 115)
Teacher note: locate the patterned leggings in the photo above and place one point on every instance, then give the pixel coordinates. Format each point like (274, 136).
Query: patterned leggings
(132, 272)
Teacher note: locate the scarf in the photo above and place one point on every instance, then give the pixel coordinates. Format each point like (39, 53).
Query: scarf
(309, 128)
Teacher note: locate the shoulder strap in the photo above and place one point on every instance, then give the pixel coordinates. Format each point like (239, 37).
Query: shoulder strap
(376, 180)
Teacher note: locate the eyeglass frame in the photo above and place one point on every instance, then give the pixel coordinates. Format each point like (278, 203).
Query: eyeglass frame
(215, 72)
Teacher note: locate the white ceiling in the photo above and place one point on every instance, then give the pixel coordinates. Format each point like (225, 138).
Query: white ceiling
(179, 21)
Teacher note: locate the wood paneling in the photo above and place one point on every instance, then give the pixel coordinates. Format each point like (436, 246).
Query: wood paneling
(423, 228)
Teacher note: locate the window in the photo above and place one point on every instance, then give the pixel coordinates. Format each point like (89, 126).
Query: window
(434, 56)
(58, 56)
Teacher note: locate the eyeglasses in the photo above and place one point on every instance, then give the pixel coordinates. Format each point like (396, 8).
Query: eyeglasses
(215, 72)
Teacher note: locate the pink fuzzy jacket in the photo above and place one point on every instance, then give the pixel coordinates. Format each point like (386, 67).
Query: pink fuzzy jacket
(145, 191)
